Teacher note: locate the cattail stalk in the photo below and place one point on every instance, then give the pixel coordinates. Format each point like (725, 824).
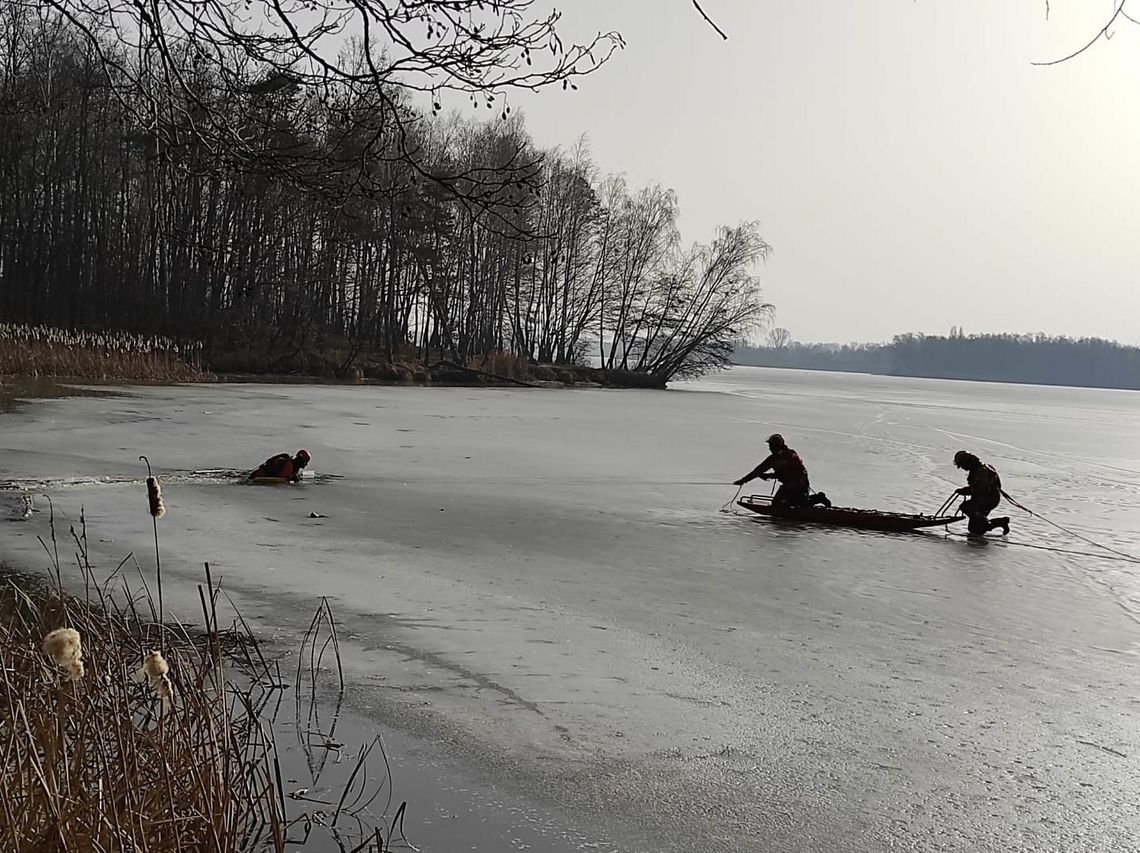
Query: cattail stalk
(156, 670)
(154, 497)
(65, 648)
(157, 510)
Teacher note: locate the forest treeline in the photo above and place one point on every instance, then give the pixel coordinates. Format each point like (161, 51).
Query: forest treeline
(1034, 359)
(350, 226)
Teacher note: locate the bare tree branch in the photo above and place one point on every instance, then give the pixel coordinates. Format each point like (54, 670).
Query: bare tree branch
(1104, 33)
(710, 21)
(192, 59)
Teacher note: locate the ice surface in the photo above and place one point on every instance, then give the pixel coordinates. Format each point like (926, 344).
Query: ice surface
(537, 588)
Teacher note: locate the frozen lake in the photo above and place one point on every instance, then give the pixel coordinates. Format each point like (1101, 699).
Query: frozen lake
(540, 597)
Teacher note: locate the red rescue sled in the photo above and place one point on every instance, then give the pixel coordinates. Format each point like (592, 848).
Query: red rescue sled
(841, 516)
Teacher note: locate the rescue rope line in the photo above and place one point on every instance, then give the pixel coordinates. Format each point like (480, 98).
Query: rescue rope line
(1124, 555)
(728, 506)
(1003, 541)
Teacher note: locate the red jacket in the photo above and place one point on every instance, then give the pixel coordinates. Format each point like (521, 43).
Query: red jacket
(280, 466)
(984, 483)
(786, 465)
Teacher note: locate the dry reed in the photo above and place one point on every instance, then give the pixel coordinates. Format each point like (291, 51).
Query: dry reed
(174, 755)
(97, 762)
(500, 363)
(47, 351)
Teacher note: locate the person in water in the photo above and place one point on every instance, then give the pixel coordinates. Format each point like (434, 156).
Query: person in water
(982, 492)
(785, 465)
(282, 467)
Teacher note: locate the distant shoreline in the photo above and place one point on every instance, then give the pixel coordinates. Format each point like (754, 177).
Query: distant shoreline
(1031, 359)
(987, 380)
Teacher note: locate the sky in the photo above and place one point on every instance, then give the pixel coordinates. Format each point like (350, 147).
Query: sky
(911, 167)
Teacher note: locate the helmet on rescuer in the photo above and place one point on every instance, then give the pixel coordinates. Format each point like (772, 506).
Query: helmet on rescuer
(776, 440)
(303, 456)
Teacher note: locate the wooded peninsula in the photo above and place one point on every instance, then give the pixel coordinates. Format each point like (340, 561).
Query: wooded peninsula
(253, 219)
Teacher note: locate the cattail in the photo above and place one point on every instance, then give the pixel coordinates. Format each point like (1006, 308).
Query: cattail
(64, 647)
(154, 497)
(154, 670)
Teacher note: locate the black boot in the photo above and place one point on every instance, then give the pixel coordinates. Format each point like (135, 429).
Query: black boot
(978, 526)
(1003, 523)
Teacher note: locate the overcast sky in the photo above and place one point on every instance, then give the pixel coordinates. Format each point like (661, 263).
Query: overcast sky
(910, 166)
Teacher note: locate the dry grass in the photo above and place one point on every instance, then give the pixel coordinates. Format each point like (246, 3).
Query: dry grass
(501, 363)
(121, 733)
(106, 762)
(46, 351)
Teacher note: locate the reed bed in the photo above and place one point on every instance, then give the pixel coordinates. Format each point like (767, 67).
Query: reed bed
(500, 363)
(122, 732)
(45, 351)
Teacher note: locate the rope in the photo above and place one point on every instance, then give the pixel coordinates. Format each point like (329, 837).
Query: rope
(1005, 542)
(728, 506)
(1124, 555)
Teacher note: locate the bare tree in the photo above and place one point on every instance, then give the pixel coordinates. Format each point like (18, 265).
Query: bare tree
(707, 305)
(639, 236)
(779, 338)
(106, 224)
(191, 60)
(556, 295)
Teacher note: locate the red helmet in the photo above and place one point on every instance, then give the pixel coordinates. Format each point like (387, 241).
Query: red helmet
(303, 456)
(777, 440)
(963, 458)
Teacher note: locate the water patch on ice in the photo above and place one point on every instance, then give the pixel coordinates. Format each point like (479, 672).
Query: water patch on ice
(211, 476)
